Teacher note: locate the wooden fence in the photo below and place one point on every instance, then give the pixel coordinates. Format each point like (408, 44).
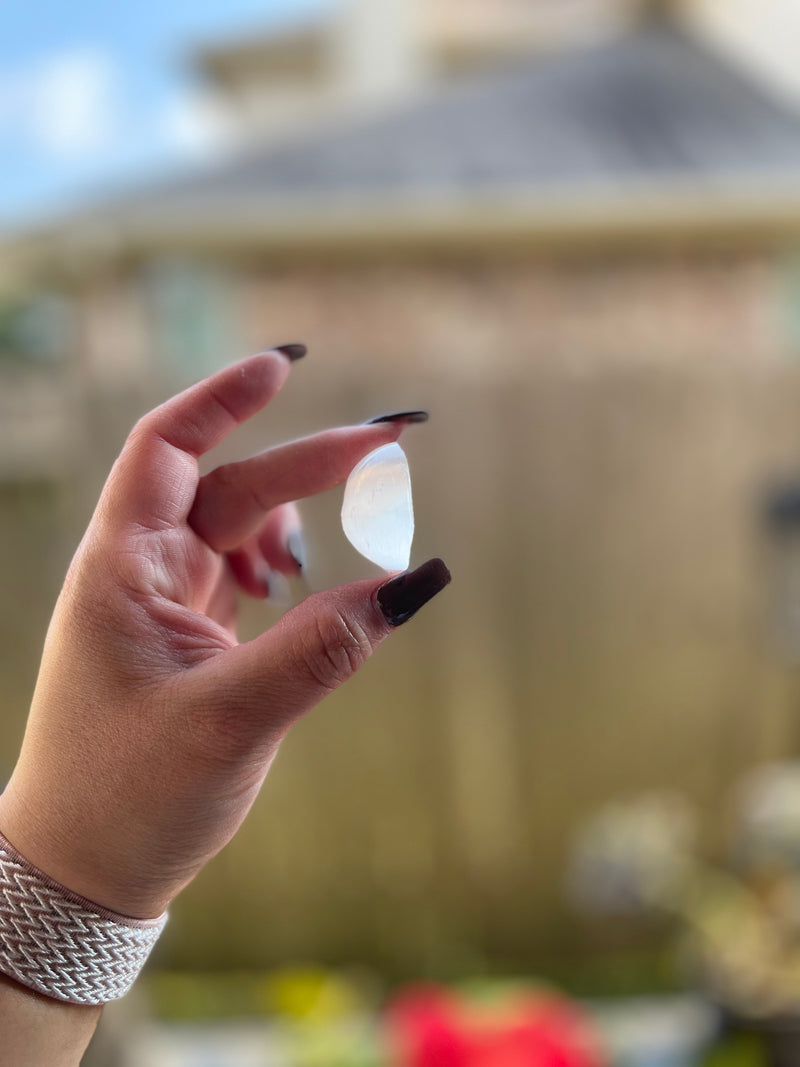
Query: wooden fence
(604, 634)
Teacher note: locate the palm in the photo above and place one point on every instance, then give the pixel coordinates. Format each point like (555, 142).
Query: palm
(196, 543)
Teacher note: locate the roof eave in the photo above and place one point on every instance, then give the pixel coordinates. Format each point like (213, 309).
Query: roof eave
(766, 212)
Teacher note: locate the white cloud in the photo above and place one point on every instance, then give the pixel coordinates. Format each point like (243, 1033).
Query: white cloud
(71, 99)
(64, 104)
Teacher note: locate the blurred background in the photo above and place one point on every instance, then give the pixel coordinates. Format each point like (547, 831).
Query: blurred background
(556, 822)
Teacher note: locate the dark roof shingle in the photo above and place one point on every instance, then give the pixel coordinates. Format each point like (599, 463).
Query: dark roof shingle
(652, 106)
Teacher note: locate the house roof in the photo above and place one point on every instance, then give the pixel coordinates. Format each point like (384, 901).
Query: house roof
(653, 105)
(644, 130)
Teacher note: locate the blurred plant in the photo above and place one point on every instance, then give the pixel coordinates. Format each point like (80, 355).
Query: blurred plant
(324, 1018)
(347, 1043)
(305, 994)
(316, 1017)
(498, 1026)
(768, 802)
(741, 921)
(631, 857)
(315, 995)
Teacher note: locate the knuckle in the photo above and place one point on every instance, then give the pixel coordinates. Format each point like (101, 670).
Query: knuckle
(338, 648)
(141, 430)
(226, 482)
(142, 435)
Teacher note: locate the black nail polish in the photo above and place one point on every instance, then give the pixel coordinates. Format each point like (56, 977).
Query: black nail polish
(400, 416)
(291, 352)
(296, 547)
(403, 596)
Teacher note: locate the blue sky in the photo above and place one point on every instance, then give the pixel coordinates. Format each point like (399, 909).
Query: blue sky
(98, 92)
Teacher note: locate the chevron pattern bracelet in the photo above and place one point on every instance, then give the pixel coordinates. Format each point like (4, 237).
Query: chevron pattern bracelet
(61, 944)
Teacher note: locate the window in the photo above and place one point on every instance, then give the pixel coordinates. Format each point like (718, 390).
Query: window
(36, 329)
(192, 315)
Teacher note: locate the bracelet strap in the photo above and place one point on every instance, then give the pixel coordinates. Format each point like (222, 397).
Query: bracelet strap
(63, 945)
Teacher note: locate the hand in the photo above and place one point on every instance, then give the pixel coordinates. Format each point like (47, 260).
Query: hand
(152, 728)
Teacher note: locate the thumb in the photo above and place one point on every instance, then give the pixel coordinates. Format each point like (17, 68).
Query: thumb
(267, 684)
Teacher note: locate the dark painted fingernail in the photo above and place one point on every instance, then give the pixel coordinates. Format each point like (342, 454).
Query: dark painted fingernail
(403, 596)
(291, 352)
(400, 416)
(296, 547)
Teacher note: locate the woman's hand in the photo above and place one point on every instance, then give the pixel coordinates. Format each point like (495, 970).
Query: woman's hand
(152, 728)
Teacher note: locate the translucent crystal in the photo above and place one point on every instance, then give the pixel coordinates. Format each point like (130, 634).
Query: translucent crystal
(377, 513)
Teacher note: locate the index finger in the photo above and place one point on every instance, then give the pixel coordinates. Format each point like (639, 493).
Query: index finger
(233, 500)
(155, 477)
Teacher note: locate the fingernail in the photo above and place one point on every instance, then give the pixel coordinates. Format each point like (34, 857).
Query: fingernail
(402, 597)
(400, 416)
(296, 547)
(291, 352)
(277, 585)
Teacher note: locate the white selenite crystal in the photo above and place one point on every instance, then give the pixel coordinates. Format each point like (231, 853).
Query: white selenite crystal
(377, 513)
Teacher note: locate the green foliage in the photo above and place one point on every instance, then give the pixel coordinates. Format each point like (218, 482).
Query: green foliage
(185, 997)
(307, 996)
(739, 1051)
(315, 1017)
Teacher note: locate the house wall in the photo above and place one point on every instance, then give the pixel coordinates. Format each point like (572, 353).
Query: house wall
(519, 316)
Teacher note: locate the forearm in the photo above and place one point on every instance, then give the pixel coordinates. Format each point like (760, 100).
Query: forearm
(37, 1030)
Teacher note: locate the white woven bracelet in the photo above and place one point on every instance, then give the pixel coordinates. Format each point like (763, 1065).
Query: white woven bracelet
(61, 944)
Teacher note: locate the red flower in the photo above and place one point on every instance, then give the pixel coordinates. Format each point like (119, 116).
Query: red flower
(433, 1027)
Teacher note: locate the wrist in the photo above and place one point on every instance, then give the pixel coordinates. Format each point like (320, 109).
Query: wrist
(63, 945)
(37, 1029)
(78, 860)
